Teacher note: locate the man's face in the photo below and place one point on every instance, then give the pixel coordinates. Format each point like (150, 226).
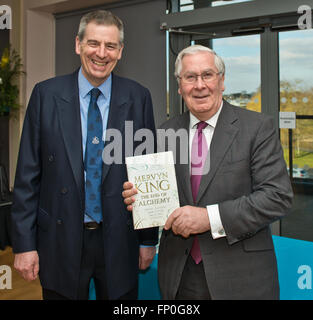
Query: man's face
(203, 99)
(99, 52)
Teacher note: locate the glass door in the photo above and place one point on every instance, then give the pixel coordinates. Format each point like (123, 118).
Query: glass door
(296, 95)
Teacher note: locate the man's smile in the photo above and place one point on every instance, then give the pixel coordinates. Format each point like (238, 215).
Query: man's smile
(201, 97)
(97, 63)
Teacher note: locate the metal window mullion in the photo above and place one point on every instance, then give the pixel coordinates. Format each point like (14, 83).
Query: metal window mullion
(270, 85)
(270, 73)
(177, 43)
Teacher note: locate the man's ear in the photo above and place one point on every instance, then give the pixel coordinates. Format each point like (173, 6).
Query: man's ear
(223, 85)
(77, 45)
(120, 53)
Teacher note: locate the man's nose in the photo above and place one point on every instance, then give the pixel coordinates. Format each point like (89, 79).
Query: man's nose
(199, 83)
(102, 51)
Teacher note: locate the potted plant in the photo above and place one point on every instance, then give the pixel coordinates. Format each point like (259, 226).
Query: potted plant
(10, 69)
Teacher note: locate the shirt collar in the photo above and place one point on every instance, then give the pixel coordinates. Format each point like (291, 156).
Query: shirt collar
(84, 85)
(211, 122)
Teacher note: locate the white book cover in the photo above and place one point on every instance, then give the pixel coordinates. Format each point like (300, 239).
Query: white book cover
(153, 175)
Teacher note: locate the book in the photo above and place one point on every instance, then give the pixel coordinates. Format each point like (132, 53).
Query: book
(153, 175)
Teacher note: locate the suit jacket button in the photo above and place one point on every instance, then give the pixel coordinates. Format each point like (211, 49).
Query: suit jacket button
(51, 158)
(64, 190)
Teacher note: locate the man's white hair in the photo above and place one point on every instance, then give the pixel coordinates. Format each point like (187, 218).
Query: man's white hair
(219, 63)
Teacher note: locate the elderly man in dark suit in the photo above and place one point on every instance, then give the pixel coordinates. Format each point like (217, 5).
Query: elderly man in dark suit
(69, 220)
(218, 244)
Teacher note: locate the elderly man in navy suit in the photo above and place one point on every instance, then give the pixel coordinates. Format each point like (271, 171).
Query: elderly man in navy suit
(69, 220)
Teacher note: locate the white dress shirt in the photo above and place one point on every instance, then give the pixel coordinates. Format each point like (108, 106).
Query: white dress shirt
(217, 229)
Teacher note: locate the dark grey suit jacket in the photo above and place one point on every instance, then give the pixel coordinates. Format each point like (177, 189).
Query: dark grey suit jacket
(249, 181)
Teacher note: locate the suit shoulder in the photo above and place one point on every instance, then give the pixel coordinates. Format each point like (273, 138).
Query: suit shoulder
(55, 84)
(55, 80)
(251, 121)
(176, 122)
(250, 115)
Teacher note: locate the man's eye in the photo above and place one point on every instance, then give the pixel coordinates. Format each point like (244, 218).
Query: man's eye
(93, 44)
(190, 77)
(208, 75)
(111, 46)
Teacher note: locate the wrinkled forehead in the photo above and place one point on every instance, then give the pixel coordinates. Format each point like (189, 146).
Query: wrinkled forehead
(96, 31)
(198, 62)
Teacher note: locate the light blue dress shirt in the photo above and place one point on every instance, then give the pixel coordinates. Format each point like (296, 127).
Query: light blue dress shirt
(103, 102)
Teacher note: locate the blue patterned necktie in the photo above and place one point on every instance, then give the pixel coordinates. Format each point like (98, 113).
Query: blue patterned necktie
(93, 159)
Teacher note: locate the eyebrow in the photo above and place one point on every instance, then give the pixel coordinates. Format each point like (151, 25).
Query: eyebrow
(96, 41)
(207, 70)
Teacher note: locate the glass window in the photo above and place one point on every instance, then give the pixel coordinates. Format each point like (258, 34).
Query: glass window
(224, 3)
(301, 145)
(243, 76)
(296, 65)
(296, 95)
(187, 5)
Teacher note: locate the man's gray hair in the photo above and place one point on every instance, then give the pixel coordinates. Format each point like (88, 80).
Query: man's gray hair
(101, 17)
(219, 63)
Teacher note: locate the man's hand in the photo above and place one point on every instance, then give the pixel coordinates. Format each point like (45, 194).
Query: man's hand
(27, 264)
(128, 195)
(188, 220)
(146, 255)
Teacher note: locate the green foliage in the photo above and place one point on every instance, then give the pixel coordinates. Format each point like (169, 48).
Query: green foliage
(10, 69)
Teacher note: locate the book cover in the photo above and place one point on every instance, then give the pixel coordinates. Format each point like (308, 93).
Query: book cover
(153, 175)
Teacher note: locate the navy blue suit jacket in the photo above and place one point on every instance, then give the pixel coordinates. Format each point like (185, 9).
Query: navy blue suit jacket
(48, 209)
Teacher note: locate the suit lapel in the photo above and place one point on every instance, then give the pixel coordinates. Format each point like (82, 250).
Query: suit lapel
(70, 124)
(119, 109)
(222, 139)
